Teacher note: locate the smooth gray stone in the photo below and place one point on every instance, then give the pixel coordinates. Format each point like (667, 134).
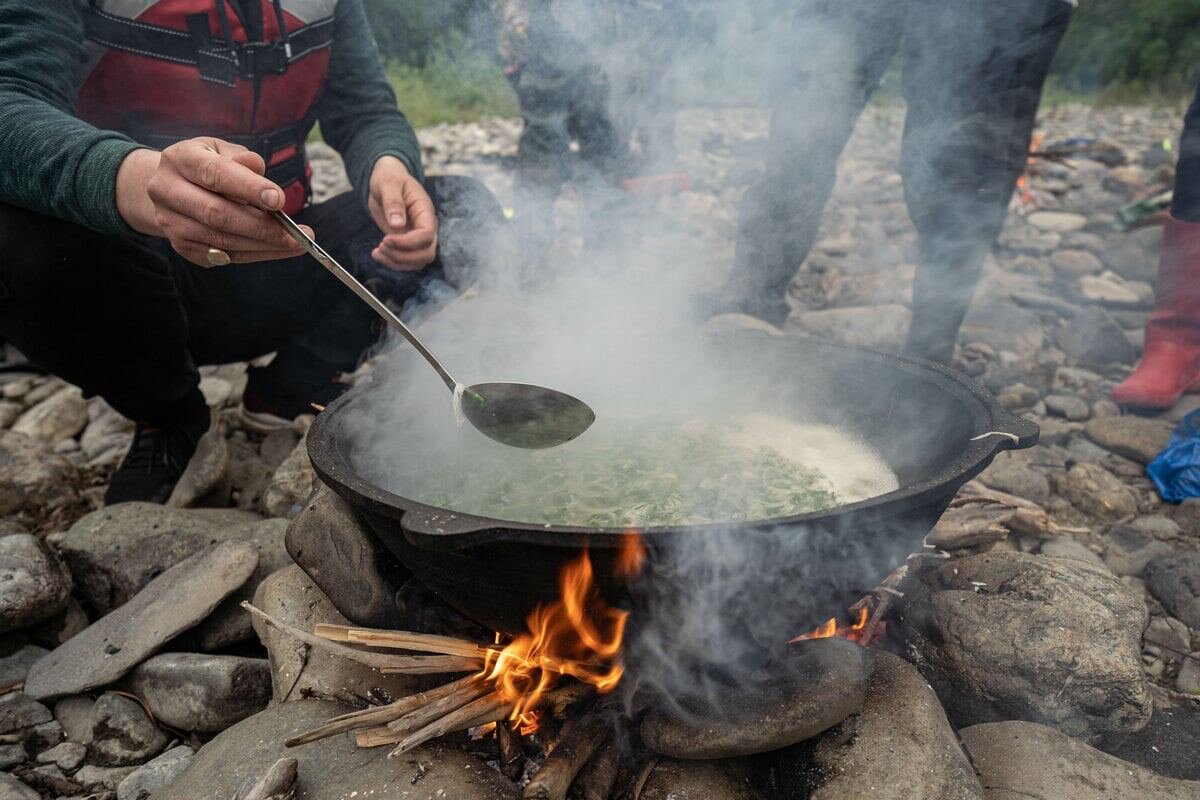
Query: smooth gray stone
(13, 789)
(332, 768)
(825, 683)
(64, 755)
(11, 755)
(901, 746)
(202, 693)
(726, 779)
(1175, 581)
(1008, 635)
(1027, 760)
(122, 734)
(76, 715)
(14, 668)
(337, 551)
(20, 712)
(173, 602)
(116, 551)
(31, 474)
(230, 624)
(1131, 436)
(155, 774)
(100, 779)
(34, 585)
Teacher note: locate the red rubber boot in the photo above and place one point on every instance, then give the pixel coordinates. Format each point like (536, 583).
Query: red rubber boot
(1170, 364)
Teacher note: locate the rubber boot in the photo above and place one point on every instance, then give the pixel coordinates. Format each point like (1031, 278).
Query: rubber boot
(1170, 364)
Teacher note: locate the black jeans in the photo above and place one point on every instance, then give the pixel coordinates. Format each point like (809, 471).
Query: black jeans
(126, 318)
(1185, 204)
(973, 72)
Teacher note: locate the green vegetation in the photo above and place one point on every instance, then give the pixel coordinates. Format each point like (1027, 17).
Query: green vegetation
(443, 62)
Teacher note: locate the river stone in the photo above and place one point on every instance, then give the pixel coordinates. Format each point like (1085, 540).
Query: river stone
(60, 416)
(1129, 549)
(34, 585)
(13, 789)
(825, 683)
(169, 605)
(107, 436)
(299, 671)
(76, 715)
(1175, 581)
(1068, 547)
(230, 623)
(1133, 437)
(1008, 635)
(1097, 492)
(1094, 339)
(1057, 221)
(1017, 477)
(1168, 744)
(15, 667)
(206, 479)
(1026, 760)
(116, 551)
(334, 768)
(1069, 407)
(1076, 263)
(20, 714)
(101, 779)
(1004, 326)
(202, 693)
(155, 774)
(341, 556)
(292, 484)
(31, 474)
(122, 734)
(702, 780)
(900, 746)
(64, 755)
(882, 327)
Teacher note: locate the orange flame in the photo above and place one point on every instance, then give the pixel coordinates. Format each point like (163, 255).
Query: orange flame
(578, 635)
(1035, 144)
(632, 555)
(853, 632)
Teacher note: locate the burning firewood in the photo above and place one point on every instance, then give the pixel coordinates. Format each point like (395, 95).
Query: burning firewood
(597, 778)
(512, 759)
(579, 741)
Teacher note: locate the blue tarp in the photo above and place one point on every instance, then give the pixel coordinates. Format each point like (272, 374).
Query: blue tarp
(1176, 470)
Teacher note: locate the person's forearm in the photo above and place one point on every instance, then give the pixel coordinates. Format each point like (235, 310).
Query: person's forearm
(358, 112)
(50, 161)
(133, 201)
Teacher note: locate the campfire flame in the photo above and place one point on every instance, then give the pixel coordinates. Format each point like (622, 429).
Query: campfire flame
(854, 632)
(1023, 184)
(579, 635)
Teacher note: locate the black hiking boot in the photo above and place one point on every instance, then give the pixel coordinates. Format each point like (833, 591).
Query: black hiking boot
(158, 456)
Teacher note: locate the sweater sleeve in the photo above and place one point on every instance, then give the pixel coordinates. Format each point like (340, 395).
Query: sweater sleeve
(357, 110)
(50, 161)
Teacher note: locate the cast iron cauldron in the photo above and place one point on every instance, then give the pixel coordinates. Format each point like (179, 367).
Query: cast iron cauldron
(936, 429)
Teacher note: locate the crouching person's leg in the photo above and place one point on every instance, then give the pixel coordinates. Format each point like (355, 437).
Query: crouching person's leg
(102, 312)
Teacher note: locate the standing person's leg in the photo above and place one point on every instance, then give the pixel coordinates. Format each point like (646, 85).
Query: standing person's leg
(973, 77)
(103, 312)
(1170, 364)
(837, 51)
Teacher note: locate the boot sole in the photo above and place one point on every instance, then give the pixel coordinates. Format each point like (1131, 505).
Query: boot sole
(1157, 403)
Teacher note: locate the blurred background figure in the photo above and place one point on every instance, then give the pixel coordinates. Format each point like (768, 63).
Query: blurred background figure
(973, 72)
(1170, 363)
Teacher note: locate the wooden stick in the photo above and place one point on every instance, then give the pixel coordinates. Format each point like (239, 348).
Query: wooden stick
(512, 758)
(380, 715)
(412, 665)
(431, 712)
(580, 738)
(376, 737)
(597, 778)
(403, 640)
(490, 708)
(276, 783)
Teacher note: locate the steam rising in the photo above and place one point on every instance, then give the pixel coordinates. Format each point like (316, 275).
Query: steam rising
(615, 325)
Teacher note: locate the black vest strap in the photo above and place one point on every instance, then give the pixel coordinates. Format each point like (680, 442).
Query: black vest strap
(218, 60)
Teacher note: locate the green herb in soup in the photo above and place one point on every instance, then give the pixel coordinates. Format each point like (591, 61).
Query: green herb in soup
(630, 474)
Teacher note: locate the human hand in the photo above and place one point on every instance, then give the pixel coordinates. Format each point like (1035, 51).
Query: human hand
(403, 211)
(205, 193)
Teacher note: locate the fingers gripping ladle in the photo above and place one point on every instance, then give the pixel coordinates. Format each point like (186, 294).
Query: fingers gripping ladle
(515, 414)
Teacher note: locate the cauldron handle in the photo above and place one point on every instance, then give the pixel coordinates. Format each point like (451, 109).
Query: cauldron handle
(1011, 432)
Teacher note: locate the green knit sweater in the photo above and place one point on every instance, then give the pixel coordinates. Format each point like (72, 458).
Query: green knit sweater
(56, 164)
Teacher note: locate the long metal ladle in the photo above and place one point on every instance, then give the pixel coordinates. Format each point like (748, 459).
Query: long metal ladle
(515, 414)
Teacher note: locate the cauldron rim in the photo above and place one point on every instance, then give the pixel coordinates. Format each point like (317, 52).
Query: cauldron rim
(431, 527)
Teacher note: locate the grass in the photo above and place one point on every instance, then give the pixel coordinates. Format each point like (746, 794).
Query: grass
(450, 89)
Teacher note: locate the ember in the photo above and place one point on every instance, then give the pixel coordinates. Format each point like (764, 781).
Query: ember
(854, 632)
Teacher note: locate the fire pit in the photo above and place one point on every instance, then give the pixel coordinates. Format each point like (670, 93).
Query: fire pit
(935, 428)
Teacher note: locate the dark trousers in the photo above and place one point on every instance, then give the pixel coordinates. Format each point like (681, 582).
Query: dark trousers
(126, 318)
(973, 72)
(1185, 204)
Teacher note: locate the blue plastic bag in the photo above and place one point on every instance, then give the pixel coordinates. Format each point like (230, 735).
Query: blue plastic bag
(1176, 470)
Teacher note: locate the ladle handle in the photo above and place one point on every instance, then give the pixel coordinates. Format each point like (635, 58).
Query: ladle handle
(364, 294)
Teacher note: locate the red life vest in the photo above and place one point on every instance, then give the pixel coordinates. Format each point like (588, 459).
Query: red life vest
(166, 70)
